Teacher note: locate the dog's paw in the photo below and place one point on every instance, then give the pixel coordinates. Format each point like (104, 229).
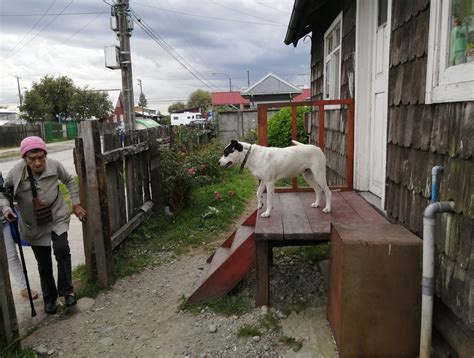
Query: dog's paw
(265, 215)
(315, 205)
(326, 210)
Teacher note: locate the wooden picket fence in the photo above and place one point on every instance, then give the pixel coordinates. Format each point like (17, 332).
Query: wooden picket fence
(120, 185)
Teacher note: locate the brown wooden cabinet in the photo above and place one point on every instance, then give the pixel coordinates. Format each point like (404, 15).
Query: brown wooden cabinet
(375, 290)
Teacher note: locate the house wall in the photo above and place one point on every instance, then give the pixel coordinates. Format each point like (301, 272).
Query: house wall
(335, 126)
(419, 137)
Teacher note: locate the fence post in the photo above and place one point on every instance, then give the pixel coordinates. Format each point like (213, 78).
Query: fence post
(155, 171)
(8, 321)
(96, 229)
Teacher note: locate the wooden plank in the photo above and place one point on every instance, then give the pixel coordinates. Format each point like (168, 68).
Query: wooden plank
(132, 224)
(87, 236)
(294, 219)
(138, 176)
(113, 155)
(9, 331)
(113, 196)
(363, 209)
(130, 177)
(155, 173)
(94, 226)
(321, 128)
(270, 228)
(262, 273)
(262, 128)
(145, 160)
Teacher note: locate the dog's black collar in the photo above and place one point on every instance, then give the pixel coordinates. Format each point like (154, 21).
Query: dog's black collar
(245, 160)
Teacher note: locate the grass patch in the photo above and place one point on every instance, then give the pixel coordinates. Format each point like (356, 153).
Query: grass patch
(291, 342)
(248, 331)
(286, 182)
(310, 254)
(9, 155)
(194, 226)
(227, 305)
(84, 288)
(270, 321)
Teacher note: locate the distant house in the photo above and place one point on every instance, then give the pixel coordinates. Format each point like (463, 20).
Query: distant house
(409, 65)
(9, 117)
(270, 88)
(115, 97)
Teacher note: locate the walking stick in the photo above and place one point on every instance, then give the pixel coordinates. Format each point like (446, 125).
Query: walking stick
(14, 225)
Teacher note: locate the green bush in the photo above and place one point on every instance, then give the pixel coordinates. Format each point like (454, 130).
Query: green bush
(279, 127)
(181, 172)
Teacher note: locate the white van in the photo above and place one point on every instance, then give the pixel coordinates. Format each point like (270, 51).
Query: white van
(178, 119)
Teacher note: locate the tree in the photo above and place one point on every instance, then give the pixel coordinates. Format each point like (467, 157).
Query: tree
(87, 104)
(201, 99)
(142, 101)
(58, 98)
(176, 107)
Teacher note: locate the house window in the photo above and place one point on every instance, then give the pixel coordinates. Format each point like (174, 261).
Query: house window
(450, 67)
(332, 59)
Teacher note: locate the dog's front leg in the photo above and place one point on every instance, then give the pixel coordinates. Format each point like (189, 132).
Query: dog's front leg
(270, 190)
(260, 190)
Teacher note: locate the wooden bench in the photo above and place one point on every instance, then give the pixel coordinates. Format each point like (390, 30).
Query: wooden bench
(293, 222)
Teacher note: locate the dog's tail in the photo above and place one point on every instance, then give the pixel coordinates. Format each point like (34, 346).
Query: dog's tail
(296, 143)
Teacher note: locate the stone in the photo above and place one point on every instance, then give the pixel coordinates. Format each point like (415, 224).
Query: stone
(212, 328)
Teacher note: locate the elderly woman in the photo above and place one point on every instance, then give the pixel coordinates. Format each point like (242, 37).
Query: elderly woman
(44, 216)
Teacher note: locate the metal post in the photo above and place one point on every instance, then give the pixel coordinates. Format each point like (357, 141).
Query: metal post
(124, 33)
(141, 94)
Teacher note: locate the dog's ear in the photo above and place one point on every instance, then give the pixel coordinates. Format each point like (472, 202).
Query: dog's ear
(238, 146)
(233, 142)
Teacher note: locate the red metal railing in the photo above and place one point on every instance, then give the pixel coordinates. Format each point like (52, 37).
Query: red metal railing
(262, 110)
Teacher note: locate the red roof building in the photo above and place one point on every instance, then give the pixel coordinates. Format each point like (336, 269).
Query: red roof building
(229, 98)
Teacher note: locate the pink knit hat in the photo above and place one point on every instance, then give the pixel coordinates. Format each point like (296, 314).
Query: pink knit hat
(30, 143)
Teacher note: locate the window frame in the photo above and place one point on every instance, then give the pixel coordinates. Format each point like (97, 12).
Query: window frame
(327, 58)
(445, 83)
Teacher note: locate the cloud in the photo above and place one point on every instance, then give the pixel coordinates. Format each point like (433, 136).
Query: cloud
(209, 36)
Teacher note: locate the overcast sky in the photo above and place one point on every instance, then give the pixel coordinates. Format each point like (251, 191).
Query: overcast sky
(67, 37)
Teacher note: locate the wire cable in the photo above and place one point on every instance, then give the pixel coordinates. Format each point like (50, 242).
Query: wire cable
(169, 49)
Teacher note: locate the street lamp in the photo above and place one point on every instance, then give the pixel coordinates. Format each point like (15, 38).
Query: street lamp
(225, 74)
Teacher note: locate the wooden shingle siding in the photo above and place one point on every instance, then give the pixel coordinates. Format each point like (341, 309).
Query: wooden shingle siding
(335, 120)
(419, 137)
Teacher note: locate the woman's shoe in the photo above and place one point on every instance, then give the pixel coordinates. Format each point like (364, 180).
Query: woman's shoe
(24, 293)
(70, 300)
(50, 308)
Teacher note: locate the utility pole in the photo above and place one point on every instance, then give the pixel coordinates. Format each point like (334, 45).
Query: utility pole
(141, 95)
(248, 78)
(19, 91)
(125, 27)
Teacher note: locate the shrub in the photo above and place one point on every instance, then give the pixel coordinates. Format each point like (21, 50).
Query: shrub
(279, 127)
(181, 172)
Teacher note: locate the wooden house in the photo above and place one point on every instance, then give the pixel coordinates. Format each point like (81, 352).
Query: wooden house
(409, 65)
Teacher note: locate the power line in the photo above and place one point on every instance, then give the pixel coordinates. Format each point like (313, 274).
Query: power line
(169, 49)
(241, 12)
(39, 32)
(52, 14)
(270, 7)
(31, 28)
(215, 18)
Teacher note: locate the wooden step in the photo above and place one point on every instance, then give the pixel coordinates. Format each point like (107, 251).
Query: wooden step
(220, 256)
(228, 265)
(242, 234)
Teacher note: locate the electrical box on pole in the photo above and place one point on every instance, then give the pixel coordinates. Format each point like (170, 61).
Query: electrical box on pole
(120, 56)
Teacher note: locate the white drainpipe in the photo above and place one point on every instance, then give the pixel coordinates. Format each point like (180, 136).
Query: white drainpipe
(427, 283)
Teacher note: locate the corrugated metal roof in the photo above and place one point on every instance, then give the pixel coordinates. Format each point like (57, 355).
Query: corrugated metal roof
(223, 98)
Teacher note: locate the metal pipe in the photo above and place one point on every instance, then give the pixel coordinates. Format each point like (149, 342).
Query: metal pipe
(427, 283)
(435, 172)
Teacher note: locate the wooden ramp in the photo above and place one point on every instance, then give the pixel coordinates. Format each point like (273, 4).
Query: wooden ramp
(229, 264)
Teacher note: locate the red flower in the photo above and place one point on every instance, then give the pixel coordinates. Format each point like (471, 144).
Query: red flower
(218, 195)
(192, 171)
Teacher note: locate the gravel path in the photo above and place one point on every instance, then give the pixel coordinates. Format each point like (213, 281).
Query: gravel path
(139, 317)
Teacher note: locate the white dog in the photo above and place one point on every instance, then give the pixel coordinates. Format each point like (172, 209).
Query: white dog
(270, 164)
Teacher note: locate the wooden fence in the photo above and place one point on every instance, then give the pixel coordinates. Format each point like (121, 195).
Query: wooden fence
(8, 321)
(11, 136)
(120, 184)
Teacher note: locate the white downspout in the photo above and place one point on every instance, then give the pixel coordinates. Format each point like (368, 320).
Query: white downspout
(427, 284)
